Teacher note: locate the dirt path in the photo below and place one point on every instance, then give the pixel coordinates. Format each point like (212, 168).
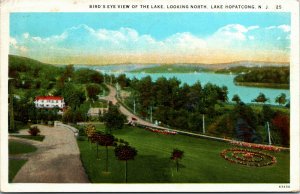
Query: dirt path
(57, 159)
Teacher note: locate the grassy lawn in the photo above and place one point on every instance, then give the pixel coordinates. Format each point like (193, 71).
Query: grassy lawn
(36, 138)
(16, 147)
(201, 163)
(14, 167)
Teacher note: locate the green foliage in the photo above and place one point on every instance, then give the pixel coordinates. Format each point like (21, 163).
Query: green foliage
(92, 91)
(267, 113)
(176, 105)
(113, 119)
(236, 98)
(281, 99)
(261, 98)
(279, 75)
(245, 112)
(123, 80)
(85, 76)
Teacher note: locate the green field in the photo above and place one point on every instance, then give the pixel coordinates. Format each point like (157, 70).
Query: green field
(201, 163)
(15, 147)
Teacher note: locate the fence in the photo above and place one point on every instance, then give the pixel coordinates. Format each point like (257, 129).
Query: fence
(60, 124)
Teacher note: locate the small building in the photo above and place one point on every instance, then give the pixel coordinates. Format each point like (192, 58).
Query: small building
(93, 112)
(49, 102)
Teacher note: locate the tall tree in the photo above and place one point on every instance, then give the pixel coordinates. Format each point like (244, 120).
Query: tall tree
(236, 98)
(92, 91)
(176, 155)
(125, 153)
(261, 98)
(113, 119)
(281, 99)
(106, 140)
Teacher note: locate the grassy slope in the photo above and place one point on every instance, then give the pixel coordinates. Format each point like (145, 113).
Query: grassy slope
(201, 163)
(14, 167)
(16, 147)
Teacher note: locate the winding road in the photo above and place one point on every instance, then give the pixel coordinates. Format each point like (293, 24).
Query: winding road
(112, 97)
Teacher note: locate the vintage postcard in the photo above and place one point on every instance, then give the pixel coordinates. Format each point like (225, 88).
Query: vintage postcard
(149, 96)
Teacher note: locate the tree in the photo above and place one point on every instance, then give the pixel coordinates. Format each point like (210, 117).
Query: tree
(73, 96)
(113, 119)
(267, 113)
(261, 98)
(175, 156)
(282, 123)
(123, 80)
(242, 111)
(85, 76)
(236, 99)
(90, 130)
(92, 91)
(95, 138)
(125, 153)
(106, 140)
(281, 99)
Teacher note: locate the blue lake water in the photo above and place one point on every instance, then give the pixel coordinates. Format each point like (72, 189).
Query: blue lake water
(247, 94)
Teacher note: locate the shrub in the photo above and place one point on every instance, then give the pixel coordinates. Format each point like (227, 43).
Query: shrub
(34, 131)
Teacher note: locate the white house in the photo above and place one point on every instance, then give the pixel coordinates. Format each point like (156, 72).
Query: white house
(49, 102)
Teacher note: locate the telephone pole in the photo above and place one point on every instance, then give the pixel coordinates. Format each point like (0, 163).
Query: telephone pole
(203, 123)
(269, 134)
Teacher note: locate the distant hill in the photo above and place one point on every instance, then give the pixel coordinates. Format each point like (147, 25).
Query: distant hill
(31, 67)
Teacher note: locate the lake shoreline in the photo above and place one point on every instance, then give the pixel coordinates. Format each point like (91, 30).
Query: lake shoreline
(263, 85)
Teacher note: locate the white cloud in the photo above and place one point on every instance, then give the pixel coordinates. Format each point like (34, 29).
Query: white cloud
(285, 28)
(251, 37)
(253, 28)
(26, 35)
(270, 27)
(82, 39)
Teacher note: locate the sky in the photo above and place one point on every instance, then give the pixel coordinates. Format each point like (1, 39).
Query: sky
(114, 38)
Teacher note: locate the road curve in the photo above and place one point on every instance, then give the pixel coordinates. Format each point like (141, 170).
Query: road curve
(112, 97)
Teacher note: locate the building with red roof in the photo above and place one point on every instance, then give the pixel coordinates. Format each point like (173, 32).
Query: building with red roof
(49, 102)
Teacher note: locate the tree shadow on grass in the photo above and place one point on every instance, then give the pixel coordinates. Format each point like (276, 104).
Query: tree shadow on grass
(149, 169)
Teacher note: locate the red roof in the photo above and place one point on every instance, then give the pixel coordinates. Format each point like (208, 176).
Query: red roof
(48, 98)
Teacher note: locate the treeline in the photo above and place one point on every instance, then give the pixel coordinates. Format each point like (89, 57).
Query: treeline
(182, 106)
(279, 75)
(173, 104)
